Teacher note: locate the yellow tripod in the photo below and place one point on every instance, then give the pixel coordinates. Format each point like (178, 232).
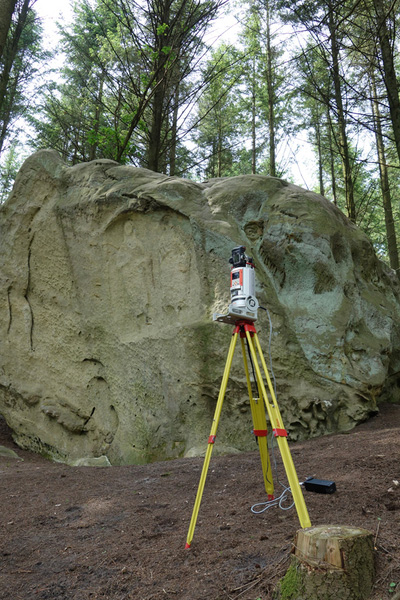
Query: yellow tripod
(247, 330)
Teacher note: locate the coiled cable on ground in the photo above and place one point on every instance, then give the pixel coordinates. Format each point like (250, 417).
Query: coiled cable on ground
(261, 507)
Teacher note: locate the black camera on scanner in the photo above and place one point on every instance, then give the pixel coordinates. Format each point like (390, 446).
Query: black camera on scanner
(239, 258)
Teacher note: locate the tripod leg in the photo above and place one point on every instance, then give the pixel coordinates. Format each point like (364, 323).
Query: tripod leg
(211, 440)
(279, 431)
(260, 429)
(269, 383)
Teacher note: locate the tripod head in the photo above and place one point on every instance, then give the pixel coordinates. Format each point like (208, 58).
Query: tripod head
(244, 304)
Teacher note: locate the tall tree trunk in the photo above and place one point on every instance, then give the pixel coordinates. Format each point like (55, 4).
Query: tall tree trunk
(219, 152)
(389, 72)
(6, 114)
(98, 109)
(7, 8)
(331, 156)
(384, 180)
(161, 86)
(271, 98)
(253, 121)
(343, 144)
(174, 130)
(156, 128)
(319, 149)
(12, 50)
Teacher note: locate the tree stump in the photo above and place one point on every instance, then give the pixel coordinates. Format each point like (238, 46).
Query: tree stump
(329, 563)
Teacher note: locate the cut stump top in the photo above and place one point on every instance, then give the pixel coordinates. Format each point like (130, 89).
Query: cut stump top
(329, 546)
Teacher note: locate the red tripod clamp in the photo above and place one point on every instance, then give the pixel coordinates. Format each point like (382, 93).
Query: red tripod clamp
(243, 326)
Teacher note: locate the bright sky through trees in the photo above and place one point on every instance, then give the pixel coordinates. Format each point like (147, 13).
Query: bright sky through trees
(226, 28)
(51, 11)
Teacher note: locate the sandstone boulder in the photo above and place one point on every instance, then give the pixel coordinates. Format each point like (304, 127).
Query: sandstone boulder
(109, 277)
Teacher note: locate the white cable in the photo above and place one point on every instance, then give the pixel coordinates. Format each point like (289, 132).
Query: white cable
(275, 502)
(269, 346)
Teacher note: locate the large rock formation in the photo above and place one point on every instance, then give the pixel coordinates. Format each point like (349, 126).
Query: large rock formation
(109, 277)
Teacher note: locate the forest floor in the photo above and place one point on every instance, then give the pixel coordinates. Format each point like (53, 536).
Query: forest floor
(119, 533)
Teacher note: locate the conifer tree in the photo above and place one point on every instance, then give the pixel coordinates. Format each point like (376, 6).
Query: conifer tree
(130, 75)
(19, 64)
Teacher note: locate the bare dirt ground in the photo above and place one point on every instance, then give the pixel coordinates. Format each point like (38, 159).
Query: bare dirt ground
(119, 533)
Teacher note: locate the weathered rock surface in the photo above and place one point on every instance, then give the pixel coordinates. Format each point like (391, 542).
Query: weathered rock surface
(109, 276)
